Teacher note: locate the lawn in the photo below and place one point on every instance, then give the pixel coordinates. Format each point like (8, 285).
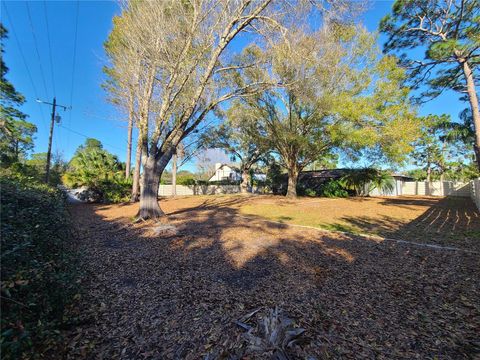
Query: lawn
(442, 221)
(178, 296)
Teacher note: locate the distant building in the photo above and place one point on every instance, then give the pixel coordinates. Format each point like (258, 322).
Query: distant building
(315, 178)
(224, 172)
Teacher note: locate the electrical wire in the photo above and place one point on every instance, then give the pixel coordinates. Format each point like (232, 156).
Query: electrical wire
(25, 63)
(36, 49)
(73, 66)
(49, 46)
(87, 137)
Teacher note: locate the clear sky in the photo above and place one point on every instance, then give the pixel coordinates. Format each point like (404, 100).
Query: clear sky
(47, 69)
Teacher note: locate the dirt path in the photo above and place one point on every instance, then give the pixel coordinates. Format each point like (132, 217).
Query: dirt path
(177, 297)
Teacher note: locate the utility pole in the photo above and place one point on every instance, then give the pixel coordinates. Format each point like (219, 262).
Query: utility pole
(50, 138)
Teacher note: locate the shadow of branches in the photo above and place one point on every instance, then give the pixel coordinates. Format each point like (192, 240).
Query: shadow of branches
(177, 297)
(449, 221)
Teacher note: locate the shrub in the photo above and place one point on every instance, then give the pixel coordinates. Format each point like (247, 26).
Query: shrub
(310, 192)
(187, 181)
(115, 191)
(99, 171)
(333, 188)
(39, 276)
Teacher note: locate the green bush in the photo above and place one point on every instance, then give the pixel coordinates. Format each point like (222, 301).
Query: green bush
(115, 191)
(35, 173)
(333, 188)
(187, 181)
(101, 172)
(39, 276)
(310, 192)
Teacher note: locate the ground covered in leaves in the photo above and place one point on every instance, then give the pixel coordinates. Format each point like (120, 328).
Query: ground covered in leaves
(185, 294)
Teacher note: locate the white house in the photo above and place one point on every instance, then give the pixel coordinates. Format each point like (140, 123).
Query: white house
(225, 172)
(230, 173)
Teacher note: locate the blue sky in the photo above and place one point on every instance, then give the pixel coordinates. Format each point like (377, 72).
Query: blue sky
(91, 115)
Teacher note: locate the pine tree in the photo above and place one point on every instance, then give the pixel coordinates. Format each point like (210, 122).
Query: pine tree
(16, 134)
(449, 31)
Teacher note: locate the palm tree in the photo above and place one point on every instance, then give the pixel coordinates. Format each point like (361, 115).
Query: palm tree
(363, 181)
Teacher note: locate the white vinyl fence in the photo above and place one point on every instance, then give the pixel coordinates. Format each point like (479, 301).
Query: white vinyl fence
(436, 188)
(166, 190)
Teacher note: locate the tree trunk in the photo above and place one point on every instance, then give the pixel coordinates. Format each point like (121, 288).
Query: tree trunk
(245, 181)
(129, 148)
(292, 182)
(152, 172)
(136, 174)
(149, 208)
(429, 179)
(174, 174)
(473, 99)
(476, 150)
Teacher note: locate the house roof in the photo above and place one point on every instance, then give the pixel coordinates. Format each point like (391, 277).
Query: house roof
(325, 173)
(230, 166)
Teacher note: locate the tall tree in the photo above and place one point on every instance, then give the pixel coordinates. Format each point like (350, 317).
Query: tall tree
(122, 78)
(333, 93)
(449, 31)
(183, 51)
(136, 173)
(16, 134)
(430, 148)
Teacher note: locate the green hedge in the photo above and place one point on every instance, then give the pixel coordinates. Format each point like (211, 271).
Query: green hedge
(39, 277)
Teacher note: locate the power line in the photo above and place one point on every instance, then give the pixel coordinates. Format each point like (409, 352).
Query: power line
(49, 46)
(24, 62)
(73, 64)
(88, 137)
(36, 48)
(74, 53)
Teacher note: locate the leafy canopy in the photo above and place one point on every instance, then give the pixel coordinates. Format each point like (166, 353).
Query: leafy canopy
(333, 93)
(432, 36)
(91, 165)
(16, 134)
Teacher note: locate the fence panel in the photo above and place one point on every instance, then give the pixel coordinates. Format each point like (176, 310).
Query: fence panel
(436, 188)
(184, 190)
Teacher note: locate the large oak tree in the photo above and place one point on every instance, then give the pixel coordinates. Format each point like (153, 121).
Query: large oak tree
(333, 93)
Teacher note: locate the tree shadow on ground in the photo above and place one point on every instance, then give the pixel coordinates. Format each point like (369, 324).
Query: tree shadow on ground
(177, 297)
(450, 221)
